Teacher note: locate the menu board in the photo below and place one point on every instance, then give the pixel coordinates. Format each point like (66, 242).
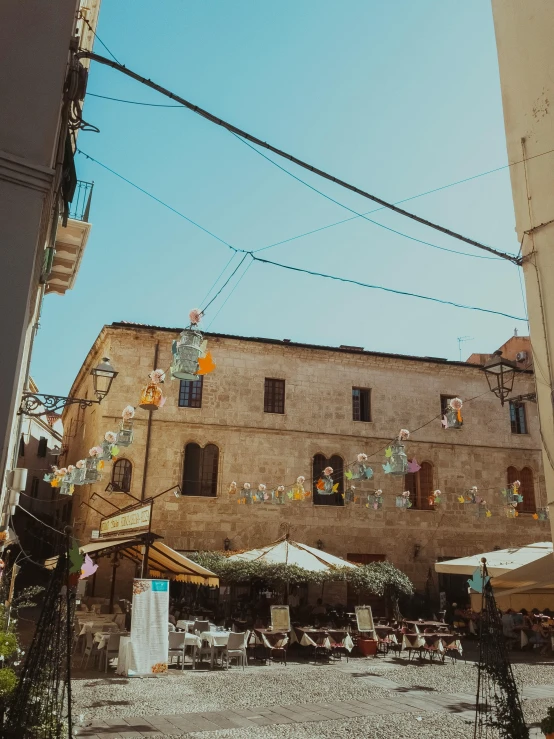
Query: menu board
(364, 618)
(280, 618)
(149, 637)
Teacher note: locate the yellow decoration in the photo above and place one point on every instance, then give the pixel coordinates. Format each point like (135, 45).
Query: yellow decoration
(388, 452)
(488, 514)
(150, 397)
(536, 516)
(205, 364)
(461, 499)
(100, 465)
(336, 487)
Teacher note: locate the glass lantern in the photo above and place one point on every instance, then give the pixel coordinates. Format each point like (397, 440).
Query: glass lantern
(106, 452)
(91, 471)
(403, 502)
(186, 351)
(78, 476)
(151, 397)
(66, 487)
(375, 502)
(125, 433)
(398, 460)
(452, 419)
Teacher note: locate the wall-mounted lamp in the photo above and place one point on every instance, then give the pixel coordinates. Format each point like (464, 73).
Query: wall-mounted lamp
(319, 544)
(227, 544)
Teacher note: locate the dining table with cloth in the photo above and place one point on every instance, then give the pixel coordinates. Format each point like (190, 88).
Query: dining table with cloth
(321, 638)
(215, 640)
(95, 626)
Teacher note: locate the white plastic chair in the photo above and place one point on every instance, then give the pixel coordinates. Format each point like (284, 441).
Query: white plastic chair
(111, 649)
(90, 649)
(235, 649)
(176, 647)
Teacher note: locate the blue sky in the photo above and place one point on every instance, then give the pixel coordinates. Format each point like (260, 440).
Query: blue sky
(397, 98)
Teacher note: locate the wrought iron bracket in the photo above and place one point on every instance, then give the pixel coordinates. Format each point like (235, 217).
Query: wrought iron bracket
(38, 404)
(521, 398)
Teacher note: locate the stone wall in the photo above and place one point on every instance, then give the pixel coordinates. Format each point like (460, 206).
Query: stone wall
(274, 449)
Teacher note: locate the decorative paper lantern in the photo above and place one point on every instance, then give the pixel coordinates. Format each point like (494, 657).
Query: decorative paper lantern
(186, 351)
(511, 511)
(483, 510)
(78, 475)
(91, 470)
(279, 495)
(403, 501)
(359, 470)
(151, 397)
(125, 433)
(325, 485)
(452, 419)
(396, 459)
(375, 501)
(543, 514)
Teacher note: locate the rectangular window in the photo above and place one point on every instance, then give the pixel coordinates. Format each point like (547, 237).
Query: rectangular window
(444, 402)
(518, 420)
(274, 396)
(22, 447)
(361, 404)
(42, 447)
(190, 393)
(34, 487)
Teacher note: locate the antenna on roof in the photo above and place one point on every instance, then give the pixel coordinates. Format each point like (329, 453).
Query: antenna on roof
(461, 340)
(515, 332)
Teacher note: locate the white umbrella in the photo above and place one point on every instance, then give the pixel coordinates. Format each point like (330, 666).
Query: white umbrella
(285, 551)
(499, 562)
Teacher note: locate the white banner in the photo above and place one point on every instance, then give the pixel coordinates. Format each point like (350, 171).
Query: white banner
(126, 522)
(149, 640)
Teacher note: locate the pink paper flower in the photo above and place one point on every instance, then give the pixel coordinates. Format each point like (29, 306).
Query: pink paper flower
(379, 493)
(70, 467)
(157, 376)
(110, 437)
(195, 316)
(362, 457)
(406, 494)
(281, 489)
(80, 464)
(456, 404)
(437, 493)
(233, 487)
(404, 434)
(95, 451)
(128, 413)
(301, 479)
(62, 471)
(474, 489)
(328, 471)
(261, 487)
(516, 484)
(246, 486)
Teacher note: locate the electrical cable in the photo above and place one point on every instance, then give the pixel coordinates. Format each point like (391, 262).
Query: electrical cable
(134, 102)
(217, 279)
(232, 291)
(20, 508)
(166, 205)
(96, 36)
(321, 173)
(386, 289)
(203, 311)
(361, 215)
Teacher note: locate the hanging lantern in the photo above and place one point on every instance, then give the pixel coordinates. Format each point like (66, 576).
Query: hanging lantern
(395, 455)
(66, 488)
(91, 470)
(245, 494)
(151, 397)
(360, 470)
(483, 509)
(279, 495)
(452, 418)
(375, 501)
(325, 485)
(403, 501)
(125, 433)
(511, 510)
(436, 498)
(542, 514)
(298, 491)
(190, 359)
(79, 473)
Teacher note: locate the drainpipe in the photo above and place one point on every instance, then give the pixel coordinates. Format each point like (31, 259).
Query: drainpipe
(148, 432)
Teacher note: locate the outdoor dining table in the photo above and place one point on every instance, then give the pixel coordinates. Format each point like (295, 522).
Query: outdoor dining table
(322, 638)
(94, 626)
(215, 640)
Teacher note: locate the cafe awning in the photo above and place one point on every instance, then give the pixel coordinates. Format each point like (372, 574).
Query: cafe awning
(499, 562)
(163, 561)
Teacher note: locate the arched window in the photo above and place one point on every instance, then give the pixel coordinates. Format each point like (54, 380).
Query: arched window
(527, 488)
(319, 463)
(121, 476)
(420, 486)
(200, 470)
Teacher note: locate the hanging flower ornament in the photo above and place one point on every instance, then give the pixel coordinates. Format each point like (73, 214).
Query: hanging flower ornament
(151, 397)
(80, 464)
(328, 471)
(195, 316)
(404, 435)
(110, 437)
(403, 500)
(359, 470)
(361, 457)
(435, 498)
(233, 488)
(70, 467)
(190, 358)
(125, 433)
(246, 486)
(128, 413)
(452, 418)
(395, 455)
(157, 376)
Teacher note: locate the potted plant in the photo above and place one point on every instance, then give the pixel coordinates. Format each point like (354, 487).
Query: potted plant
(547, 724)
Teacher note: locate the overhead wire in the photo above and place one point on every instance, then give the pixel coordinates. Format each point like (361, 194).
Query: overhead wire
(207, 295)
(134, 102)
(96, 36)
(203, 310)
(357, 214)
(237, 283)
(321, 173)
(386, 289)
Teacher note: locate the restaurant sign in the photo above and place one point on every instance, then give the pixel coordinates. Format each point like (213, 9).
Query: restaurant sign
(130, 521)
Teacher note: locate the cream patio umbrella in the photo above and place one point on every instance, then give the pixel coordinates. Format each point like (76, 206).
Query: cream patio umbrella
(285, 551)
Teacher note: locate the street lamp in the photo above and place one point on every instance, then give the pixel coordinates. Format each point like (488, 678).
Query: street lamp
(227, 544)
(500, 374)
(38, 404)
(319, 544)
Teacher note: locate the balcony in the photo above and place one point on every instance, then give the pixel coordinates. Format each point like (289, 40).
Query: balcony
(62, 264)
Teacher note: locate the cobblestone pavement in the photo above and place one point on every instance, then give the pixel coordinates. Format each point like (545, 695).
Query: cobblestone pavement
(381, 699)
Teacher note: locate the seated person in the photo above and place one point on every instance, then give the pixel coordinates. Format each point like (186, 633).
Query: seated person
(527, 622)
(508, 624)
(518, 619)
(540, 636)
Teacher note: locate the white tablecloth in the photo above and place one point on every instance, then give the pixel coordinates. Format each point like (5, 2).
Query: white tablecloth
(215, 638)
(125, 660)
(95, 626)
(416, 641)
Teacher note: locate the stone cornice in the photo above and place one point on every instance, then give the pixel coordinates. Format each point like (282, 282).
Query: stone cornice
(25, 173)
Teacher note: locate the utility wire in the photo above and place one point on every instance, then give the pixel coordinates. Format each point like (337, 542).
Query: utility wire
(133, 102)
(224, 284)
(237, 283)
(166, 205)
(97, 37)
(207, 295)
(386, 289)
(321, 173)
(359, 215)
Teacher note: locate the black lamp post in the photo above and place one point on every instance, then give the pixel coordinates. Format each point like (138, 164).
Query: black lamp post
(37, 404)
(500, 374)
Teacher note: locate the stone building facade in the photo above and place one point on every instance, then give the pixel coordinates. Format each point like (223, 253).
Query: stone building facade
(274, 448)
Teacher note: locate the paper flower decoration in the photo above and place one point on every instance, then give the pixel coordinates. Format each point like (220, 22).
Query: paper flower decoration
(80, 464)
(536, 516)
(157, 376)
(205, 364)
(301, 479)
(233, 488)
(361, 457)
(474, 489)
(95, 451)
(379, 493)
(348, 474)
(281, 488)
(406, 494)
(70, 467)
(88, 568)
(404, 434)
(328, 471)
(246, 486)
(456, 404)
(516, 484)
(195, 316)
(461, 499)
(437, 493)
(128, 413)
(387, 468)
(261, 487)
(110, 437)
(62, 471)
(488, 514)
(388, 452)
(413, 465)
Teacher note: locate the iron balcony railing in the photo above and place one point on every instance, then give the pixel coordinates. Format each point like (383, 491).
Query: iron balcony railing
(79, 208)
